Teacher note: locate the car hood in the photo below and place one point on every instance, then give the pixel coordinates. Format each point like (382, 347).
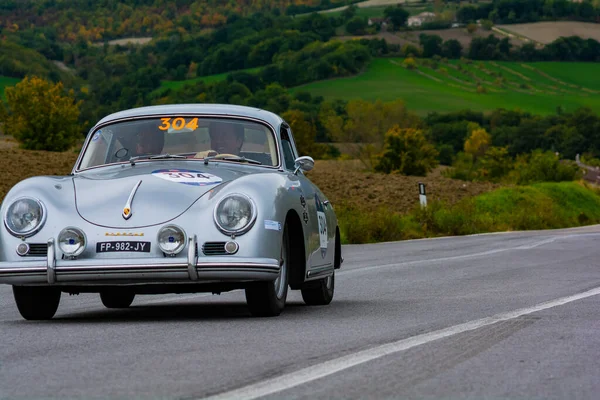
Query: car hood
(159, 192)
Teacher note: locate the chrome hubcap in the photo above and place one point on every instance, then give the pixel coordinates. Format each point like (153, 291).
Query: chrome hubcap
(329, 282)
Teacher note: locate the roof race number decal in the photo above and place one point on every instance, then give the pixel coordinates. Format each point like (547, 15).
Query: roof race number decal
(178, 124)
(187, 177)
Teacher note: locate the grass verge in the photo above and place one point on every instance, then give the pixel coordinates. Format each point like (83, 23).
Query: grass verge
(538, 206)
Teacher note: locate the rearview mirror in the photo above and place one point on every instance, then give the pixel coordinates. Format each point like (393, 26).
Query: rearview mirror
(304, 163)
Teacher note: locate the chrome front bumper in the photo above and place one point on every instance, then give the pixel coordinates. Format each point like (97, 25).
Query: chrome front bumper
(90, 272)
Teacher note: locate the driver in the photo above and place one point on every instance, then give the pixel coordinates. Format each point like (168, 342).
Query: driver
(226, 137)
(149, 142)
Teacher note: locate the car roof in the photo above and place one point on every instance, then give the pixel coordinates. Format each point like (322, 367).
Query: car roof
(207, 109)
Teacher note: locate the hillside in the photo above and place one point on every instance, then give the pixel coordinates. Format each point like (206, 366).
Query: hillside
(535, 87)
(71, 20)
(6, 82)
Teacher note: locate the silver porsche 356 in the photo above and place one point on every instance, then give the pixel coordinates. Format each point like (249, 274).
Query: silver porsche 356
(173, 199)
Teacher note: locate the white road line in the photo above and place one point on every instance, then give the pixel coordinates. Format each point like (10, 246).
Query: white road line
(309, 374)
(463, 256)
(417, 262)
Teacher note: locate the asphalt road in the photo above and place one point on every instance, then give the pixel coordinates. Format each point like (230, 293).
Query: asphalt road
(495, 316)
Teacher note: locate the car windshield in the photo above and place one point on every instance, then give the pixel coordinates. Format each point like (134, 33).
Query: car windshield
(189, 137)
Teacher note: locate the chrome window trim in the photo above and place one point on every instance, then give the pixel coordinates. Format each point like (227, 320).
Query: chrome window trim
(76, 168)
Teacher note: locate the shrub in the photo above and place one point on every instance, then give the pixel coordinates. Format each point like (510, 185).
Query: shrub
(540, 166)
(487, 24)
(409, 50)
(409, 63)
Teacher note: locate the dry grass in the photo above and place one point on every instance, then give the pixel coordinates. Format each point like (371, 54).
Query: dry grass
(465, 38)
(547, 32)
(17, 164)
(345, 183)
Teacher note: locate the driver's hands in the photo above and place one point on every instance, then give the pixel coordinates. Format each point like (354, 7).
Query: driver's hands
(206, 153)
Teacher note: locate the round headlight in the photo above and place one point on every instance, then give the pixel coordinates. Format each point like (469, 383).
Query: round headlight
(235, 214)
(171, 239)
(71, 241)
(24, 217)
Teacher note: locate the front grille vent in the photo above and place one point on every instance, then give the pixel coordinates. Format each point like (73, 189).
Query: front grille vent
(214, 248)
(37, 250)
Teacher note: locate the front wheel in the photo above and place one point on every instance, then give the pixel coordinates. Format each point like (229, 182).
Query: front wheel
(36, 302)
(117, 299)
(267, 299)
(319, 293)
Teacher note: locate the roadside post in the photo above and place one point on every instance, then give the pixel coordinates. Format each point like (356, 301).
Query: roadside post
(422, 195)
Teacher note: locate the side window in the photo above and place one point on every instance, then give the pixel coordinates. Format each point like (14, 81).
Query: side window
(288, 150)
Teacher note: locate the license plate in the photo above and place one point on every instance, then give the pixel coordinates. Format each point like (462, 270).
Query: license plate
(104, 247)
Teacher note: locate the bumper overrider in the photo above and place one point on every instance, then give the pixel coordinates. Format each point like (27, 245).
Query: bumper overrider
(150, 270)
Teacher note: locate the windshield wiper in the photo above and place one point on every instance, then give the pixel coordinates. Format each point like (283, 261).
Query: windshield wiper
(132, 160)
(232, 158)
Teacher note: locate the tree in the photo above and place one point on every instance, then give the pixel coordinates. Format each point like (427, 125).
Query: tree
(41, 115)
(478, 141)
(349, 12)
(466, 14)
(432, 45)
(495, 164)
(356, 26)
(452, 49)
(305, 132)
(364, 127)
(407, 152)
(471, 28)
(397, 15)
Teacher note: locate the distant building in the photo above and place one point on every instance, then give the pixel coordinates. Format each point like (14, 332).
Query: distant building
(379, 21)
(419, 19)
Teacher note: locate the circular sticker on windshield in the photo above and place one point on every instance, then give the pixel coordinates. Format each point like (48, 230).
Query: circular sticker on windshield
(187, 177)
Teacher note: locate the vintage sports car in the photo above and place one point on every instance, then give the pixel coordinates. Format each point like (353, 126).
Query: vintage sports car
(173, 199)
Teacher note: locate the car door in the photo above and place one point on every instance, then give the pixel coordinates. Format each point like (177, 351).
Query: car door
(321, 235)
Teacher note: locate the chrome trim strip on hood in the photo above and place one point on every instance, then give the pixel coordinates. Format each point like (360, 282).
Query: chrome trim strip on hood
(127, 210)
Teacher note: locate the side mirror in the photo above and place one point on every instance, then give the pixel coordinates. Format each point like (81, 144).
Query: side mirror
(304, 163)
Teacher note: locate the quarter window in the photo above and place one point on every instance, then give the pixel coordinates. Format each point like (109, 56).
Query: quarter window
(289, 157)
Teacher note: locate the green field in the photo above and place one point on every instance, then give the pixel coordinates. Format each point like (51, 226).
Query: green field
(536, 87)
(6, 81)
(175, 85)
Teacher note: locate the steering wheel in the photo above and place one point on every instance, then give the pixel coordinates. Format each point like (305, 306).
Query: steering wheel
(223, 155)
(207, 153)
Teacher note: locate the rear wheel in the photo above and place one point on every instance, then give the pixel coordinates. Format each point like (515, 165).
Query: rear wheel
(319, 293)
(117, 299)
(36, 302)
(267, 299)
